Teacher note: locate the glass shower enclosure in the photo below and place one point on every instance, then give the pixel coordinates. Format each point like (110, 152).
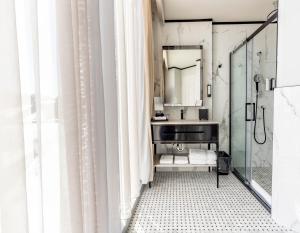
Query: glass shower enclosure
(252, 80)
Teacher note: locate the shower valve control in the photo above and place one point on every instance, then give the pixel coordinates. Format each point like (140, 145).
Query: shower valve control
(250, 112)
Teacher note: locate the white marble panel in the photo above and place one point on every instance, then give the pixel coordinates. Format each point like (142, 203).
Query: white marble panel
(191, 33)
(288, 43)
(286, 158)
(225, 39)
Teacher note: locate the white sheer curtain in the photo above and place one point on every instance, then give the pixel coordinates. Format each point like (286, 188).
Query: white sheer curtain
(134, 108)
(13, 205)
(58, 167)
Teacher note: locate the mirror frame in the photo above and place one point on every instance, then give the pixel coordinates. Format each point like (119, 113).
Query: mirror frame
(186, 47)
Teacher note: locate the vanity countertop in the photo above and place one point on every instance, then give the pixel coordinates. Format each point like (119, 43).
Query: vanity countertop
(184, 122)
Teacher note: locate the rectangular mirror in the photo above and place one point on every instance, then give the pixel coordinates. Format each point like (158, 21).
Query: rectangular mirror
(183, 76)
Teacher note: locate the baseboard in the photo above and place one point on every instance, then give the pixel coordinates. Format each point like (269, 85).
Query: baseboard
(133, 209)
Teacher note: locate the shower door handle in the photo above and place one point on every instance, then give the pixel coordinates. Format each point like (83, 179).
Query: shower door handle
(251, 118)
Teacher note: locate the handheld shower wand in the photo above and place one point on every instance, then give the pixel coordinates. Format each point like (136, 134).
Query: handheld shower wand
(257, 79)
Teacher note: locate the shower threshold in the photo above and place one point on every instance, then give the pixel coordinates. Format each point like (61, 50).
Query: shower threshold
(253, 191)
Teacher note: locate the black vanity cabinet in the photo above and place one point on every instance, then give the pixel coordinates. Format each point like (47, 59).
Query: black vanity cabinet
(185, 132)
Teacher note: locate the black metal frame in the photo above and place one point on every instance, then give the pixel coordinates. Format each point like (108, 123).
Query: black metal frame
(213, 22)
(262, 27)
(187, 20)
(175, 47)
(238, 22)
(216, 142)
(245, 42)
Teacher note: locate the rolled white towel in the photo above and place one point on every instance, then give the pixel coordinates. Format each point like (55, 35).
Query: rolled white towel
(211, 162)
(211, 155)
(166, 159)
(200, 160)
(181, 160)
(197, 152)
(197, 156)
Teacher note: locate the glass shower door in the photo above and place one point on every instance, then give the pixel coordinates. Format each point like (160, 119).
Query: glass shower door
(261, 66)
(238, 99)
(253, 78)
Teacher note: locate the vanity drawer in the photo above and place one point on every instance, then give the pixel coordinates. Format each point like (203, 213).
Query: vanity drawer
(185, 133)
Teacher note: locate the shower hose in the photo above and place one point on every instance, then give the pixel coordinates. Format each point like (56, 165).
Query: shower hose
(264, 123)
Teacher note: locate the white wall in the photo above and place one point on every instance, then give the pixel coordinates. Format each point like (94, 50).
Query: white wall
(286, 158)
(190, 82)
(173, 87)
(288, 41)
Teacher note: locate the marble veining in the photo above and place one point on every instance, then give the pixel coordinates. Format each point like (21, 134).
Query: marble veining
(225, 38)
(286, 173)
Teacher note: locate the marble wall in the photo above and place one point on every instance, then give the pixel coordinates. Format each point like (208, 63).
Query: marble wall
(286, 156)
(262, 60)
(225, 39)
(195, 33)
(190, 33)
(218, 41)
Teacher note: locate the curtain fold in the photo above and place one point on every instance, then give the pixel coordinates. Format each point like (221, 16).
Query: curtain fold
(13, 199)
(148, 87)
(135, 97)
(57, 160)
(129, 107)
(124, 164)
(85, 157)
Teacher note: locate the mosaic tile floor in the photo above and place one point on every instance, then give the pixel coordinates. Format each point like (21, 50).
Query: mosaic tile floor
(263, 176)
(190, 202)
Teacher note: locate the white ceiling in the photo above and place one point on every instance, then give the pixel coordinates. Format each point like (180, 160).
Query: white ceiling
(218, 10)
